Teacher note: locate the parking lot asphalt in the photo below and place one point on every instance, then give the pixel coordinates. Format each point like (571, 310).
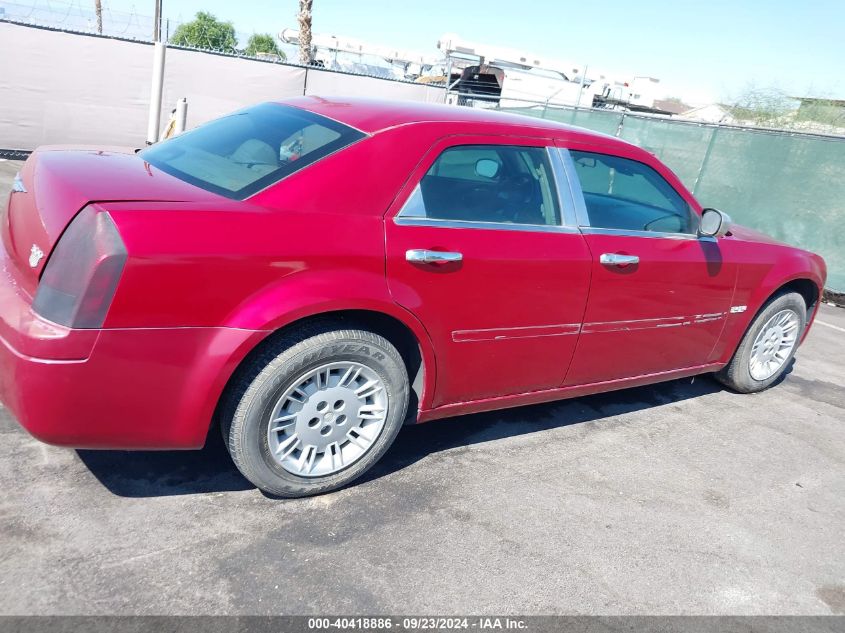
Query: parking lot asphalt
(678, 498)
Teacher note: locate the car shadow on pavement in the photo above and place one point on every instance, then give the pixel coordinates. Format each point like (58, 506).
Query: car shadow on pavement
(168, 473)
(416, 442)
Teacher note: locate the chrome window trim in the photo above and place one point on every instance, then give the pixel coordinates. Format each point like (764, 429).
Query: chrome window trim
(563, 187)
(584, 217)
(581, 215)
(560, 181)
(590, 230)
(492, 226)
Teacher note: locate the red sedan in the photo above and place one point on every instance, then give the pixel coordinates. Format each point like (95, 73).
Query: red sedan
(310, 275)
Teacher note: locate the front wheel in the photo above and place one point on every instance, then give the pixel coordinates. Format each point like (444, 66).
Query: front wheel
(768, 345)
(316, 410)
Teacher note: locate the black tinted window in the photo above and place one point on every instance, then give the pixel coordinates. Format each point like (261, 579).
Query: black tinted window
(244, 152)
(628, 195)
(488, 183)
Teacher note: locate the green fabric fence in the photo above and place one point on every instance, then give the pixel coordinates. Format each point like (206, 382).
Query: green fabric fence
(786, 184)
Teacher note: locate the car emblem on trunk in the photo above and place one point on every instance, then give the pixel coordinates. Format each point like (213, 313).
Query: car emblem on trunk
(35, 256)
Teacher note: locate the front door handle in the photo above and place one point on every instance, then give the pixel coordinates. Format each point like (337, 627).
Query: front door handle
(422, 256)
(615, 259)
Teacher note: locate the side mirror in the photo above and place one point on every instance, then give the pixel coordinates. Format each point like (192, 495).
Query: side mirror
(486, 168)
(714, 223)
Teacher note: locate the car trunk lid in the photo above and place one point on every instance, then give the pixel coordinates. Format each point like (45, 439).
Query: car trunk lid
(56, 183)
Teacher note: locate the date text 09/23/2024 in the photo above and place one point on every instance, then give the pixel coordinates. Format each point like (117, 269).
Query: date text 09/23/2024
(417, 623)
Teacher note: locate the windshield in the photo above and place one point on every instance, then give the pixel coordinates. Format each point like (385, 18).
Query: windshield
(244, 152)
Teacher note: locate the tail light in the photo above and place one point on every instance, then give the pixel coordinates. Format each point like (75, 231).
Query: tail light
(80, 278)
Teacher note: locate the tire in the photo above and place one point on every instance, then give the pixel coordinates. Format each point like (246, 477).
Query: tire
(311, 412)
(743, 376)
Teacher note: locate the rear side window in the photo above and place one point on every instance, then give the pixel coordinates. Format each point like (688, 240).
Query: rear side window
(628, 195)
(244, 152)
(488, 183)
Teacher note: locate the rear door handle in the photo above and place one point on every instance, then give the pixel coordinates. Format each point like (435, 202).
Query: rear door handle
(615, 259)
(422, 256)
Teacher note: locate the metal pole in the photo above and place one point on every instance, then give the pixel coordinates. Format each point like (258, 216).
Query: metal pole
(704, 161)
(181, 115)
(552, 96)
(621, 123)
(154, 122)
(448, 78)
(157, 22)
(581, 87)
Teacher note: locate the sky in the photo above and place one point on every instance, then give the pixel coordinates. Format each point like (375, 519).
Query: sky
(702, 51)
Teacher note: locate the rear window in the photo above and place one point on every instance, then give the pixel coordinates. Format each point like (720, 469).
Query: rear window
(244, 152)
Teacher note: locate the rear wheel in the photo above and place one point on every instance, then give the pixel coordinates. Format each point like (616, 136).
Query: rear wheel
(316, 410)
(768, 345)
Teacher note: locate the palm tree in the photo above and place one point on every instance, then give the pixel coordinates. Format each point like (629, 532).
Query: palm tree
(305, 31)
(98, 9)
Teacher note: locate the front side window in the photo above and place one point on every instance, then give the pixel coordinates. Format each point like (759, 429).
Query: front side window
(487, 183)
(628, 195)
(244, 152)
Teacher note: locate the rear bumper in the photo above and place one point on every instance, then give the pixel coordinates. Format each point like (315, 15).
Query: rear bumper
(115, 389)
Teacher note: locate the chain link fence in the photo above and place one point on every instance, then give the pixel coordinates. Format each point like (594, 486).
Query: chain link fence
(217, 36)
(78, 16)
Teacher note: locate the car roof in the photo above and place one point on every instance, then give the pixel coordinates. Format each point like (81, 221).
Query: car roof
(373, 115)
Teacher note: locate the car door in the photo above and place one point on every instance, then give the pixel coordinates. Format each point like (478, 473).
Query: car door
(659, 295)
(482, 248)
